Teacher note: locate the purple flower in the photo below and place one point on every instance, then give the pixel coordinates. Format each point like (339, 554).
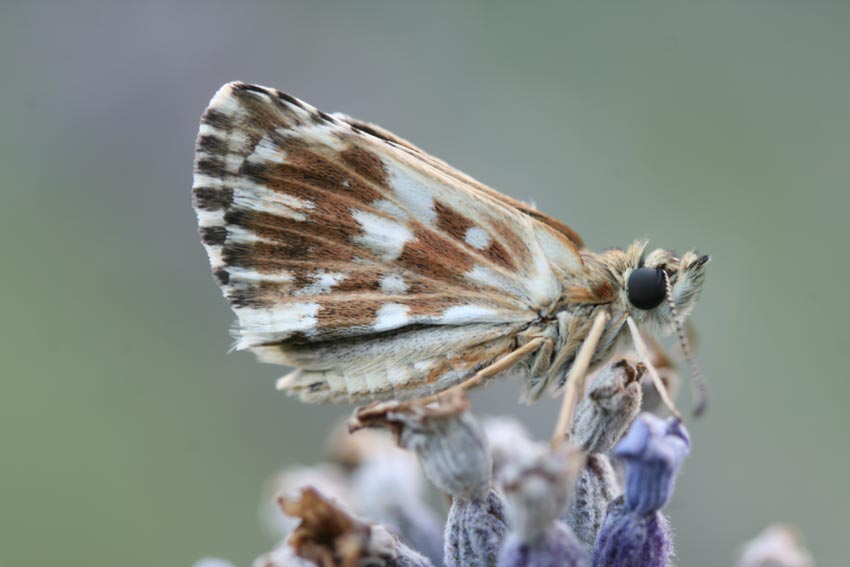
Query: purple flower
(653, 450)
(635, 533)
(627, 539)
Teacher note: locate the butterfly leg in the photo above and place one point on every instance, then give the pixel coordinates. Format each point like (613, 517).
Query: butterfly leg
(543, 359)
(501, 365)
(538, 373)
(646, 358)
(666, 368)
(578, 376)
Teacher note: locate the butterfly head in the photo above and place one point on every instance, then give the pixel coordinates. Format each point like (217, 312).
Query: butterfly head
(659, 286)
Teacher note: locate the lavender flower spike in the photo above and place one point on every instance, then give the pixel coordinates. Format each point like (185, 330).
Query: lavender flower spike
(653, 450)
(635, 533)
(610, 404)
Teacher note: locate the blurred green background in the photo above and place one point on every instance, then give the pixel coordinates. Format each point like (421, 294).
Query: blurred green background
(128, 434)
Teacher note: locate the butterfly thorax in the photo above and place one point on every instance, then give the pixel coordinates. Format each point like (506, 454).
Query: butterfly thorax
(600, 286)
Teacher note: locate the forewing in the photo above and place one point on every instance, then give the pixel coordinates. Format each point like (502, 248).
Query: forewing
(323, 231)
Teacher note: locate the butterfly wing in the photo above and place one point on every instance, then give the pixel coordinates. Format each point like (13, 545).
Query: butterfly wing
(375, 269)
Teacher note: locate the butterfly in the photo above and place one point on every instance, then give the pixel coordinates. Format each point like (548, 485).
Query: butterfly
(380, 272)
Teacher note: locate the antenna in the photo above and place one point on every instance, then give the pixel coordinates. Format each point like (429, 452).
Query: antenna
(699, 383)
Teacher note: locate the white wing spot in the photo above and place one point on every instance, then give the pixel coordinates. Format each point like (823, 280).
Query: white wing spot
(216, 256)
(543, 286)
(210, 218)
(390, 208)
(244, 236)
(244, 275)
(256, 197)
(391, 316)
(489, 277)
(393, 284)
(265, 325)
(267, 150)
(232, 163)
(413, 191)
(207, 130)
(382, 236)
(477, 238)
(225, 102)
(323, 283)
(203, 180)
(460, 314)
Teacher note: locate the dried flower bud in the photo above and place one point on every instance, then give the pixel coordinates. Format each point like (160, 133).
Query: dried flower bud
(776, 546)
(281, 556)
(537, 489)
(475, 531)
(595, 488)
(627, 539)
(328, 479)
(350, 451)
(390, 489)
(610, 404)
(451, 446)
(653, 450)
(330, 537)
(509, 440)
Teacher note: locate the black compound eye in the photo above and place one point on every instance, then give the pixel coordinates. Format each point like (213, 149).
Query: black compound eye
(646, 288)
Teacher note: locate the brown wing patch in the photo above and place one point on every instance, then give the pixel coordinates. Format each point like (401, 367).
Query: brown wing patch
(497, 254)
(430, 255)
(310, 170)
(212, 199)
(365, 163)
(452, 222)
(515, 251)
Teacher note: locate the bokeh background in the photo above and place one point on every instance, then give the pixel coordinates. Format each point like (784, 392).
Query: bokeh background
(129, 436)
